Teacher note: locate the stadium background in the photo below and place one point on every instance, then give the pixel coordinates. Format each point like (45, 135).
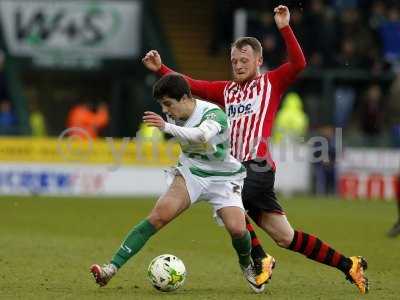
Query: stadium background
(61, 55)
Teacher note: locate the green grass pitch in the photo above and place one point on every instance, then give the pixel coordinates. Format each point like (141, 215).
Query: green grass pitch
(48, 244)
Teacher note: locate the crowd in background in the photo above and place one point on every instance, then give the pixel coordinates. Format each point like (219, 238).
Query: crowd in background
(352, 36)
(8, 120)
(336, 34)
(346, 35)
(84, 112)
(356, 34)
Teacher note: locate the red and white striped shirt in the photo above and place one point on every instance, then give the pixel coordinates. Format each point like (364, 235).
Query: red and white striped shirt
(251, 106)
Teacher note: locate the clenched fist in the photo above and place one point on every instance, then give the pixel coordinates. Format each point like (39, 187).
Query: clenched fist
(152, 61)
(282, 16)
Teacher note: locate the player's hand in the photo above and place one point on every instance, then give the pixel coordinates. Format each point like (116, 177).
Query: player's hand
(153, 120)
(282, 16)
(152, 61)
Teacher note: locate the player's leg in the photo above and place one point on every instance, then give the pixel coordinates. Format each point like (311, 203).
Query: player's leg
(168, 207)
(263, 263)
(265, 210)
(279, 229)
(234, 221)
(257, 181)
(225, 197)
(395, 230)
(257, 251)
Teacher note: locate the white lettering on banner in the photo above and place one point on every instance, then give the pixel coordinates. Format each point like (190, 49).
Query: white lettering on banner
(79, 180)
(69, 30)
(44, 181)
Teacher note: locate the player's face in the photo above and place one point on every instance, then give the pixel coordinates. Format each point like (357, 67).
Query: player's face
(245, 63)
(172, 108)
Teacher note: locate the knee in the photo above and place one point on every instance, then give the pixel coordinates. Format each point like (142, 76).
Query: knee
(158, 219)
(278, 228)
(237, 231)
(284, 241)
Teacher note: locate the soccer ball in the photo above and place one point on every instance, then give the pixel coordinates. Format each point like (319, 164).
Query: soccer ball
(166, 272)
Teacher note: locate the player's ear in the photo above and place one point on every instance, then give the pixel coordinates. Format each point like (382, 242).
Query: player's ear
(184, 97)
(260, 61)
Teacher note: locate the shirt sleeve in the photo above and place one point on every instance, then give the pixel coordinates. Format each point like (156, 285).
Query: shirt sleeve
(201, 134)
(212, 91)
(217, 115)
(285, 74)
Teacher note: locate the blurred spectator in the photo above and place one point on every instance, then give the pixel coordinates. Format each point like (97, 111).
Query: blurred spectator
(89, 118)
(271, 52)
(37, 122)
(291, 121)
(8, 121)
(371, 113)
(325, 171)
(374, 57)
(344, 98)
(377, 14)
(340, 5)
(223, 26)
(390, 35)
(356, 38)
(3, 84)
(347, 56)
(319, 33)
(393, 111)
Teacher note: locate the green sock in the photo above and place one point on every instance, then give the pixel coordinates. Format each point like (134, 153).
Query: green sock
(133, 242)
(243, 249)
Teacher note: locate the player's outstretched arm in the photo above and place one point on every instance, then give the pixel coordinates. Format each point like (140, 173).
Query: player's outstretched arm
(201, 134)
(212, 91)
(286, 73)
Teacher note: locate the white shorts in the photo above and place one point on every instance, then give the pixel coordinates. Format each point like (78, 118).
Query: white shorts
(219, 193)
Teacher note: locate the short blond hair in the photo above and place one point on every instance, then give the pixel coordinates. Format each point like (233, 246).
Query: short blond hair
(248, 41)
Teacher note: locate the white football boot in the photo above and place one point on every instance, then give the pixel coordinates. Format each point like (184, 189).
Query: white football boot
(250, 275)
(103, 274)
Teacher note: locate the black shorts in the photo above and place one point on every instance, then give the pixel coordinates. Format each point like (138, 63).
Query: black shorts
(258, 191)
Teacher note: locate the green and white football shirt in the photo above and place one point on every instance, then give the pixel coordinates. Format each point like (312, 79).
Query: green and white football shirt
(209, 158)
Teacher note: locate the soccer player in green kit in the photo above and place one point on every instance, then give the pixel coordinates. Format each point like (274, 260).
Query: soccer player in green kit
(206, 170)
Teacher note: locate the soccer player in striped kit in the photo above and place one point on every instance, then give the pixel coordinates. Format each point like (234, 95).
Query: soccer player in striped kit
(251, 101)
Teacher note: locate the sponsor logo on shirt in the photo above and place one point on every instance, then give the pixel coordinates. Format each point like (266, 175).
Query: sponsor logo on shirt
(244, 108)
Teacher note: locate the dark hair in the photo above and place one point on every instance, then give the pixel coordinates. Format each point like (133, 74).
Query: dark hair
(171, 85)
(248, 41)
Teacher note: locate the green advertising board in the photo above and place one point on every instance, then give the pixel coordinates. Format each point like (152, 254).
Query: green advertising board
(71, 34)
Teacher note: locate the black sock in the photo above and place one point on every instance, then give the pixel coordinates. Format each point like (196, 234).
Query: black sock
(317, 250)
